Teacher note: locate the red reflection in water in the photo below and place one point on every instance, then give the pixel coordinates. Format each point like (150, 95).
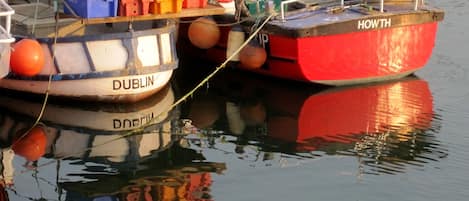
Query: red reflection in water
(332, 115)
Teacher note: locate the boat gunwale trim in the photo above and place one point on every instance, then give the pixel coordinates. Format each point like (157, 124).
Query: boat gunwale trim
(100, 74)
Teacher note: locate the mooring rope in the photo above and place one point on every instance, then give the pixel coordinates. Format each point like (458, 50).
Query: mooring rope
(49, 81)
(221, 66)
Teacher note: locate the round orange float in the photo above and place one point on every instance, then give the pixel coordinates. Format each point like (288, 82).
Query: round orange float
(27, 57)
(204, 33)
(252, 56)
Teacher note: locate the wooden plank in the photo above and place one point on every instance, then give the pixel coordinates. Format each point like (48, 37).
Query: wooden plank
(185, 12)
(72, 29)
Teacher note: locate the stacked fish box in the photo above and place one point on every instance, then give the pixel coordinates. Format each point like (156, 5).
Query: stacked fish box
(91, 8)
(194, 4)
(134, 7)
(112, 8)
(166, 6)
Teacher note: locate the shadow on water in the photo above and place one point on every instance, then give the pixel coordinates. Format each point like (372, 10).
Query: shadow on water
(387, 126)
(82, 151)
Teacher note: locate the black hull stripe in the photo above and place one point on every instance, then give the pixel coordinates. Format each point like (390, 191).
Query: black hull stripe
(103, 74)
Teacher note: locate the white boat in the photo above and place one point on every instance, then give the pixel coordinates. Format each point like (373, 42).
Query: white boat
(118, 62)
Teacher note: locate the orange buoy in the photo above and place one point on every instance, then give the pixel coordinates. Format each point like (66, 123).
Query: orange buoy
(32, 145)
(204, 33)
(27, 57)
(252, 56)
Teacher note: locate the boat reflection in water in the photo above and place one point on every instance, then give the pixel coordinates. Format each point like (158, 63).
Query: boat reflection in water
(93, 154)
(387, 126)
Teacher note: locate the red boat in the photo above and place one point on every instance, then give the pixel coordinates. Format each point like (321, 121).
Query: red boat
(340, 42)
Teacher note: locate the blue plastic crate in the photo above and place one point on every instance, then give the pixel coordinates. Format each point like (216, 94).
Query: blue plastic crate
(92, 8)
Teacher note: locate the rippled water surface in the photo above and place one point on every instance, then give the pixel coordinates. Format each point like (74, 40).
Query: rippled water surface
(244, 137)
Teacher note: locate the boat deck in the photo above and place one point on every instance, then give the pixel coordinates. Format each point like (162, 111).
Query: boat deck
(313, 17)
(318, 15)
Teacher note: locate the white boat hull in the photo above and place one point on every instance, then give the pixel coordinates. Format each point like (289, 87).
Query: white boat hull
(113, 63)
(116, 89)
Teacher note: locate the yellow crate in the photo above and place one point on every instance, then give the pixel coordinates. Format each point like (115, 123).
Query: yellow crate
(165, 6)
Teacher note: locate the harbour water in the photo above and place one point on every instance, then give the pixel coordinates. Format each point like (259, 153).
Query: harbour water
(243, 137)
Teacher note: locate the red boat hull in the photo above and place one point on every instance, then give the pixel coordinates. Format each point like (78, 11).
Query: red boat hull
(334, 46)
(352, 57)
(348, 58)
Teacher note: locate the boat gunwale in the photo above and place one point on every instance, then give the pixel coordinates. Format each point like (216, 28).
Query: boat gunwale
(98, 74)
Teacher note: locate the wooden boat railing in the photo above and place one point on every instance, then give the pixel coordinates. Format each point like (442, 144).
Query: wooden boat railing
(70, 23)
